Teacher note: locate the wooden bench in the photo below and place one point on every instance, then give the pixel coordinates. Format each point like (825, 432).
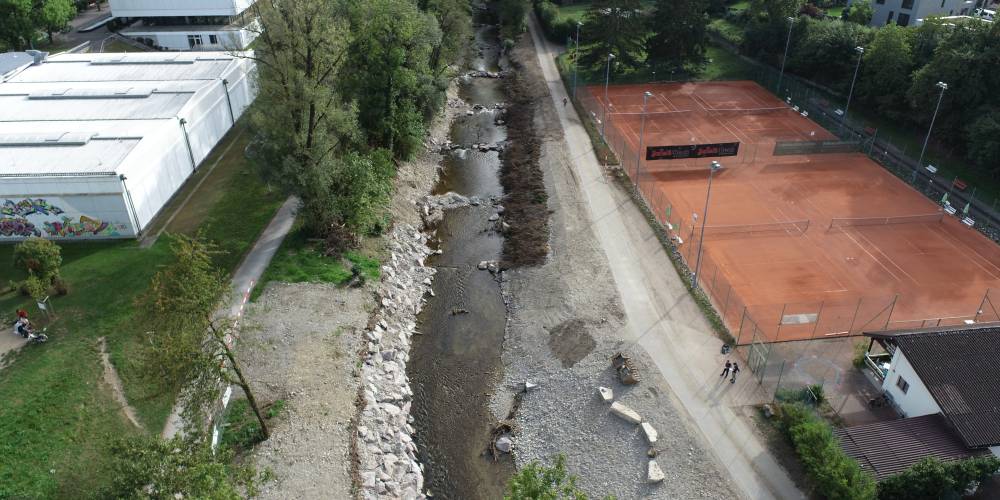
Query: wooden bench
(960, 184)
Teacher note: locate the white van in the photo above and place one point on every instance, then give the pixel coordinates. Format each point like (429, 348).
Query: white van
(986, 14)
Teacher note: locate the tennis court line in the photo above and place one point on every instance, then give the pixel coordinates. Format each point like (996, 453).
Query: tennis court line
(949, 238)
(865, 250)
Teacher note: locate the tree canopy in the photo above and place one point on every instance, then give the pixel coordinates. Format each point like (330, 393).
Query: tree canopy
(678, 33)
(615, 27)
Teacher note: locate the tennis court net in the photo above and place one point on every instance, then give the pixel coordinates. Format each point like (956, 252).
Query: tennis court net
(749, 111)
(883, 221)
(791, 228)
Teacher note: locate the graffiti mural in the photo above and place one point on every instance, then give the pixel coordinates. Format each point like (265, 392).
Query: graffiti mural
(49, 220)
(29, 206)
(86, 226)
(17, 227)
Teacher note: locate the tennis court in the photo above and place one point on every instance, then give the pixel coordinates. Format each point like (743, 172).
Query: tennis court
(797, 246)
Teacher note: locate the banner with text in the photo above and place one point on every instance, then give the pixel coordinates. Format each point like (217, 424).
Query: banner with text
(692, 151)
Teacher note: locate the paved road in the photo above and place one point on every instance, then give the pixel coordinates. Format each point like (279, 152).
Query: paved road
(664, 320)
(245, 277)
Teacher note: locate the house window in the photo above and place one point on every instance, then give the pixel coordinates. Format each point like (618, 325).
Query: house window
(903, 20)
(212, 39)
(880, 2)
(963, 12)
(889, 19)
(194, 41)
(902, 384)
(942, 4)
(907, 4)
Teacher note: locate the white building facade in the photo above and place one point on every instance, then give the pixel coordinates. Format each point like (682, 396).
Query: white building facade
(913, 12)
(211, 25)
(92, 146)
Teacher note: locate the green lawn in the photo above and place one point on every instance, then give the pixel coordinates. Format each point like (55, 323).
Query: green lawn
(835, 11)
(740, 5)
(299, 261)
(576, 11)
(56, 413)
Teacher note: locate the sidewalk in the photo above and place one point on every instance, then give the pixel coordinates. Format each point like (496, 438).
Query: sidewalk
(664, 320)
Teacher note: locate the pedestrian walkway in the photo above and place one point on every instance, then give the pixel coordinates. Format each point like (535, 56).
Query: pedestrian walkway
(664, 320)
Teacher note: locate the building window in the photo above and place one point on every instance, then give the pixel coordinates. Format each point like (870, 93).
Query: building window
(942, 4)
(212, 39)
(902, 384)
(907, 4)
(903, 19)
(889, 19)
(963, 12)
(880, 2)
(194, 41)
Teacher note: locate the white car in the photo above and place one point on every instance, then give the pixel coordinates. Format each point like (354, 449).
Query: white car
(986, 14)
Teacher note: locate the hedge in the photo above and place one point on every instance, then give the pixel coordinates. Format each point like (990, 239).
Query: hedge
(556, 30)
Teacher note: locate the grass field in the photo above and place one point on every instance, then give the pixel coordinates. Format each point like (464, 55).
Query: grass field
(576, 12)
(57, 414)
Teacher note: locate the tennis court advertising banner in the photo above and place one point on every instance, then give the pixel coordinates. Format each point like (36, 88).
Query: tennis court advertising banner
(692, 151)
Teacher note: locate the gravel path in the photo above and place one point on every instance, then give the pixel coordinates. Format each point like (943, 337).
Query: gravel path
(565, 323)
(300, 346)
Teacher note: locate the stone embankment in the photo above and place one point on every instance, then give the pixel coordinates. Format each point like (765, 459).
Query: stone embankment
(386, 452)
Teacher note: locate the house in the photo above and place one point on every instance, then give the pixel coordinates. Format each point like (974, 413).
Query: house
(92, 146)
(943, 382)
(913, 12)
(188, 24)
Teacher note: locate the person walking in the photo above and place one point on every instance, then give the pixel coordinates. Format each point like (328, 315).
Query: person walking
(735, 370)
(565, 100)
(725, 371)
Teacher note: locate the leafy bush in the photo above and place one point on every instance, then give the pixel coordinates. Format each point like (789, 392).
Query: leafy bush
(860, 351)
(537, 481)
(731, 33)
(41, 258)
(931, 478)
(556, 29)
(836, 475)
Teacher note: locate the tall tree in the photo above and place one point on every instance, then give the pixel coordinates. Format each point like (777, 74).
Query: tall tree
(188, 349)
(886, 69)
(860, 12)
(17, 28)
(615, 27)
(455, 19)
(301, 122)
(53, 15)
(679, 35)
(389, 72)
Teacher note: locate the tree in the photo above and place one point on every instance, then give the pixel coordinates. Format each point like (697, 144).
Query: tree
(984, 139)
(364, 189)
(300, 120)
(860, 12)
(679, 31)
(931, 478)
(825, 50)
(389, 72)
(886, 68)
(41, 259)
(149, 467)
(510, 14)
(615, 27)
(455, 20)
(17, 28)
(53, 15)
(539, 482)
(774, 11)
(188, 349)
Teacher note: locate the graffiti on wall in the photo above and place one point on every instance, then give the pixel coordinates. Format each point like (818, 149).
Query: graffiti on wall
(28, 206)
(51, 221)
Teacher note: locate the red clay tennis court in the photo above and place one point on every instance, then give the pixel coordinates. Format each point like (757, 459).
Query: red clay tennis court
(797, 246)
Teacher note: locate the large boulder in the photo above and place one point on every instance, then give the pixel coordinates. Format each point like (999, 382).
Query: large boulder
(625, 413)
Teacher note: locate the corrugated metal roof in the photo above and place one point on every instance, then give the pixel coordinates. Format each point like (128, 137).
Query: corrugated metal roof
(960, 368)
(95, 157)
(134, 66)
(888, 448)
(155, 106)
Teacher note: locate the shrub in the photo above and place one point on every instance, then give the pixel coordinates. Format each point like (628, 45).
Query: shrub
(556, 29)
(836, 475)
(538, 481)
(40, 258)
(860, 351)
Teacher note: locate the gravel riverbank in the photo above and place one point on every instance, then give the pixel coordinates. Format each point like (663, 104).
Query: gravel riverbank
(563, 327)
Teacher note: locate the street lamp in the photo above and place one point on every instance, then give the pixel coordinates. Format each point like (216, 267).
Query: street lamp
(788, 41)
(943, 86)
(861, 52)
(716, 166)
(576, 57)
(607, 77)
(642, 131)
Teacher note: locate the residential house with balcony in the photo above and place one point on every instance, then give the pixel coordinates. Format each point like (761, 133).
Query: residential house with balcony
(913, 12)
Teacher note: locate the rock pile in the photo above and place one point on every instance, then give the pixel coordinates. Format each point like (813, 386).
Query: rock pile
(486, 74)
(432, 207)
(386, 451)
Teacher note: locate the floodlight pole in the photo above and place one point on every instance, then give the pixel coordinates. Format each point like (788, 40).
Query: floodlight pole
(704, 220)
(788, 41)
(642, 131)
(607, 79)
(576, 57)
(861, 52)
(943, 86)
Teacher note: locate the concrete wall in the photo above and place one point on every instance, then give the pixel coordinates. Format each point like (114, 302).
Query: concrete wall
(169, 8)
(64, 208)
(917, 400)
(920, 10)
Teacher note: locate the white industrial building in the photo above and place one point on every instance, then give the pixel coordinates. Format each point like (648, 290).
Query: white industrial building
(188, 24)
(94, 145)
